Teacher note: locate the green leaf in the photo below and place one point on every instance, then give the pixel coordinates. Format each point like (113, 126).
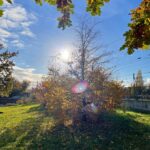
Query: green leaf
(1, 2)
(122, 48)
(51, 2)
(9, 1)
(39, 2)
(1, 13)
(130, 51)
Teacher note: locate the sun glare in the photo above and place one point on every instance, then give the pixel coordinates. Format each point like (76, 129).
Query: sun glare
(65, 55)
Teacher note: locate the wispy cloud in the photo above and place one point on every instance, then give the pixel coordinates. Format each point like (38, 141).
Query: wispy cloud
(15, 22)
(27, 74)
(4, 33)
(17, 43)
(27, 32)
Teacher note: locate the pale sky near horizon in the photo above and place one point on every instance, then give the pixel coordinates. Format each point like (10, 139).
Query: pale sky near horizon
(32, 30)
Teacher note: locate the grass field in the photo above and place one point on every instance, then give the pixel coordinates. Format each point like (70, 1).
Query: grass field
(26, 127)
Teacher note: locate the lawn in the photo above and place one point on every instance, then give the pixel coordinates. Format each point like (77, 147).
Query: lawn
(26, 127)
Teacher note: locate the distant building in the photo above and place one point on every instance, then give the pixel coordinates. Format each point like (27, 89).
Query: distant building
(139, 80)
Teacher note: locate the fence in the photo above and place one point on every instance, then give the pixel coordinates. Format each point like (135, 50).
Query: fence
(138, 104)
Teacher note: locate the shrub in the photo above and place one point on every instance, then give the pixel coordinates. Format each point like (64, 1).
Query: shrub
(106, 94)
(114, 93)
(54, 97)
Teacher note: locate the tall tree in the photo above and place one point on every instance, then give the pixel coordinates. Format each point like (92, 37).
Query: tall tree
(88, 53)
(19, 88)
(6, 69)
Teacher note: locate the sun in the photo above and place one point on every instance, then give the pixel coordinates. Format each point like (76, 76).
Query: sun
(65, 55)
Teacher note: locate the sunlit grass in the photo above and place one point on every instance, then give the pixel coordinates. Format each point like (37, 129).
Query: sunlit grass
(11, 116)
(138, 117)
(20, 124)
(27, 127)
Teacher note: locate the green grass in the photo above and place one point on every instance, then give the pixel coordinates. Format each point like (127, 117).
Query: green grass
(26, 127)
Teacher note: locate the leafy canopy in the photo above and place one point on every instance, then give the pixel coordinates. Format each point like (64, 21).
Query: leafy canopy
(6, 69)
(138, 36)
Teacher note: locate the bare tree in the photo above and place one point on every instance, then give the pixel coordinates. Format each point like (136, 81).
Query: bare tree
(54, 68)
(88, 54)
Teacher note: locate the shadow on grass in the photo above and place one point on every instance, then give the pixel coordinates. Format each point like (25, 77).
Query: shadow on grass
(22, 135)
(113, 132)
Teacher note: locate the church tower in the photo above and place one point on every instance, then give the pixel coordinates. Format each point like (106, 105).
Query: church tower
(139, 80)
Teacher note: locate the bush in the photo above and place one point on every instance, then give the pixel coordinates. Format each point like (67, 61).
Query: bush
(114, 95)
(106, 94)
(54, 97)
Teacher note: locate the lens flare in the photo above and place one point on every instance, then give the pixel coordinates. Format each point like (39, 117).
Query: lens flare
(80, 87)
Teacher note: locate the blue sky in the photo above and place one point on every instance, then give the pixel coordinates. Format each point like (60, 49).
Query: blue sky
(36, 36)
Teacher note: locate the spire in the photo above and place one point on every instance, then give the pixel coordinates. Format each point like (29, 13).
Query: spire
(139, 79)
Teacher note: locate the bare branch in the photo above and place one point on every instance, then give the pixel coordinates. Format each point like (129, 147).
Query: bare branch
(88, 54)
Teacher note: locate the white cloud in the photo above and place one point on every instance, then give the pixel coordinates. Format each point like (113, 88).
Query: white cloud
(17, 13)
(5, 23)
(27, 32)
(27, 74)
(4, 33)
(18, 43)
(26, 24)
(147, 82)
(15, 22)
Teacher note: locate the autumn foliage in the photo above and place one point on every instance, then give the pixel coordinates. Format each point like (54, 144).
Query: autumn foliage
(57, 98)
(66, 8)
(54, 97)
(107, 93)
(138, 36)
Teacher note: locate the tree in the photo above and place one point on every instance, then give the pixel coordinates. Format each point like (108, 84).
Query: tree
(87, 55)
(25, 85)
(6, 69)
(16, 88)
(19, 88)
(138, 36)
(88, 64)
